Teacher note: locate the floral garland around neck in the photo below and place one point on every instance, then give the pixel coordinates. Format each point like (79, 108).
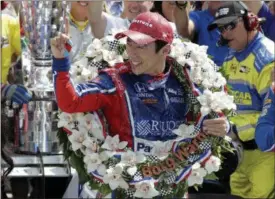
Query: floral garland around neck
(112, 168)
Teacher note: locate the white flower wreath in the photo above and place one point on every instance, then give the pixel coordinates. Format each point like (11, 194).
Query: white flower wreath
(116, 167)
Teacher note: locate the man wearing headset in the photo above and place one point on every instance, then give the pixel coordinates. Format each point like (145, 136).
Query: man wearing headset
(248, 65)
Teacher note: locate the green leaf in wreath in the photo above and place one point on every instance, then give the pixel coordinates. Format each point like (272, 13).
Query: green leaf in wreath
(94, 185)
(211, 176)
(105, 189)
(78, 164)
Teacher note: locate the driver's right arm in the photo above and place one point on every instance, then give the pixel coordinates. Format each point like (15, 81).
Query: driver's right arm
(91, 96)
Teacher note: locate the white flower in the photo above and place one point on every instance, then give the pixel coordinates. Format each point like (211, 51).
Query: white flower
(205, 110)
(65, 120)
(113, 144)
(96, 45)
(207, 66)
(89, 73)
(86, 121)
(219, 80)
(130, 159)
(123, 41)
(92, 161)
(93, 124)
(161, 149)
(213, 164)
(83, 62)
(101, 169)
(145, 189)
(217, 102)
(114, 178)
(196, 74)
(203, 100)
(206, 83)
(105, 155)
(185, 131)
(112, 57)
(95, 50)
(77, 70)
(197, 175)
(91, 145)
(77, 138)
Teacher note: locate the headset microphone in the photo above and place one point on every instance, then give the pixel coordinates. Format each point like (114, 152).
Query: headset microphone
(222, 42)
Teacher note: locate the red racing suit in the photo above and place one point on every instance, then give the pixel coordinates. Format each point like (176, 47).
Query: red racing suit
(140, 109)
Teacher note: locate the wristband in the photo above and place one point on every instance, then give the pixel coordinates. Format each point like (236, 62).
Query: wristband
(182, 6)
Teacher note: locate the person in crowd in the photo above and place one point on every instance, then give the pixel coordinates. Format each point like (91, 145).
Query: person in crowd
(199, 5)
(115, 8)
(193, 25)
(248, 66)
(265, 129)
(133, 92)
(10, 8)
(10, 47)
(271, 6)
(10, 50)
(102, 23)
(79, 29)
(261, 9)
(165, 8)
(10, 41)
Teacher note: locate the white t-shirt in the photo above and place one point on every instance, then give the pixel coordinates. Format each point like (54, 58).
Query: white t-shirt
(81, 40)
(115, 23)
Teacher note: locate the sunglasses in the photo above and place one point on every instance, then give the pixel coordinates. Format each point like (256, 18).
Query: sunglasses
(172, 3)
(230, 26)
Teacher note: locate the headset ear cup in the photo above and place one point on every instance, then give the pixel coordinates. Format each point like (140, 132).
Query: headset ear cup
(252, 21)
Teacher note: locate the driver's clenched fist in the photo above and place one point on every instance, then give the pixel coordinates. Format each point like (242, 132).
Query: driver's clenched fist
(58, 45)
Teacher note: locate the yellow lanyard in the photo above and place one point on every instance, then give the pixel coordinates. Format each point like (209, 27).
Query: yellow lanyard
(80, 24)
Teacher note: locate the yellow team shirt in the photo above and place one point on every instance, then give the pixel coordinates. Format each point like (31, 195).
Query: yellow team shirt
(10, 43)
(249, 79)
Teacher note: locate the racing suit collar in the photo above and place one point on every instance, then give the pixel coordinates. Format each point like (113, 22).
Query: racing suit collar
(158, 81)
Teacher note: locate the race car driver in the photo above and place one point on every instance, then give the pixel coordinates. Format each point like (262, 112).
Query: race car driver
(136, 97)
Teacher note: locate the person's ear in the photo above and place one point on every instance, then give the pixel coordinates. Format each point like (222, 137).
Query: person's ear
(166, 49)
(151, 4)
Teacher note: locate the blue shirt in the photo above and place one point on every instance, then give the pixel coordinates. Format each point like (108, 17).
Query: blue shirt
(265, 130)
(115, 7)
(201, 20)
(269, 25)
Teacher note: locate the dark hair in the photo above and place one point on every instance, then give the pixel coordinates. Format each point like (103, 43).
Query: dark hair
(158, 8)
(159, 45)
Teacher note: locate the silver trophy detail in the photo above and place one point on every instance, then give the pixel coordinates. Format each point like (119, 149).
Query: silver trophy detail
(42, 20)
